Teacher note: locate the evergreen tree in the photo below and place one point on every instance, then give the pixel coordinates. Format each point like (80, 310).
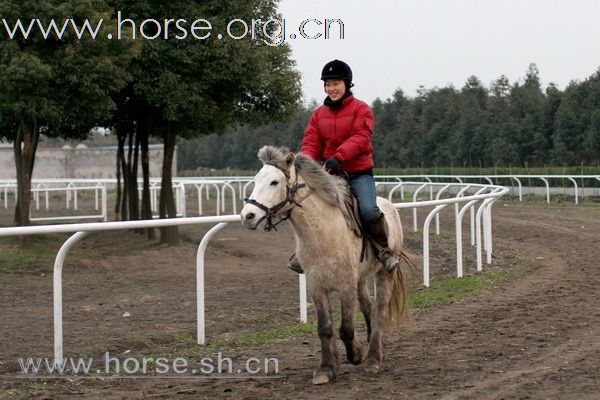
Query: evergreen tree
(518, 124)
(195, 87)
(55, 85)
(472, 103)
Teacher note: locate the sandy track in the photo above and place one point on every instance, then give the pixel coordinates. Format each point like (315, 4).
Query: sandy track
(532, 337)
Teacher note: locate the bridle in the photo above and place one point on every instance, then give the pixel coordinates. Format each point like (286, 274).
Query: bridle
(280, 208)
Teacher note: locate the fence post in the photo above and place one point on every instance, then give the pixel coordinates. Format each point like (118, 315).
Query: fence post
(57, 294)
(426, 242)
(200, 280)
(303, 302)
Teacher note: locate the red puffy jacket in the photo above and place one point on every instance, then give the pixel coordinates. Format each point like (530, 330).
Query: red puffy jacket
(344, 133)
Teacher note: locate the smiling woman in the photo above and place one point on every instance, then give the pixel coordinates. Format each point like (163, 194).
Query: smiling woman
(339, 135)
(335, 89)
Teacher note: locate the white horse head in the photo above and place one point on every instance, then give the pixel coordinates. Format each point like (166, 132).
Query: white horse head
(270, 198)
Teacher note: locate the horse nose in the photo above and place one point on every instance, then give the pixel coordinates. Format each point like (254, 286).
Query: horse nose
(250, 216)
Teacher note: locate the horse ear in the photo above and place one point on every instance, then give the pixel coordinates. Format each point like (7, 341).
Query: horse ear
(289, 159)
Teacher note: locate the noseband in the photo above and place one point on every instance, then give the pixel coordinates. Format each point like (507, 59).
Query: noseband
(290, 201)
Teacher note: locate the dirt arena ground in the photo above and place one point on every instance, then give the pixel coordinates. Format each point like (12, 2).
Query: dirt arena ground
(532, 336)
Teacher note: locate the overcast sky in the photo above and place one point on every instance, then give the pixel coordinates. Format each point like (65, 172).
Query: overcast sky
(393, 44)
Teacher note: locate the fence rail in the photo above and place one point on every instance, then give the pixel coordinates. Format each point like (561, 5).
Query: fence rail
(482, 199)
(229, 191)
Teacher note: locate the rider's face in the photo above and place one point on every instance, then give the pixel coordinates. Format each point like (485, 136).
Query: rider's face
(335, 88)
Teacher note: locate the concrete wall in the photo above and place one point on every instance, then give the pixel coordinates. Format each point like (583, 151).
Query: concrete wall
(79, 162)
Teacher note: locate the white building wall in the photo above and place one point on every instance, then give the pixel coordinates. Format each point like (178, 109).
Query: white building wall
(86, 162)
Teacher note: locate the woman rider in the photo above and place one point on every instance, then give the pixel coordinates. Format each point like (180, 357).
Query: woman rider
(339, 135)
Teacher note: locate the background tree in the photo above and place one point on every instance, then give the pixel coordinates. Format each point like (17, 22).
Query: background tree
(472, 112)
(527, 119)
(55, 87)
(591, 106)
(551, 105)
(518, 124)
(194, 87)
(569, 135)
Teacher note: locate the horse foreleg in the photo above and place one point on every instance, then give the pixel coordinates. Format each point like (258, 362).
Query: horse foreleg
(366, 305)
(378, 322)
(329, 357)
(354, 351)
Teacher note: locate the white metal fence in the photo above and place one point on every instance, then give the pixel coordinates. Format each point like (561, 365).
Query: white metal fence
(568, 183)
(229, 191)
(476, 198)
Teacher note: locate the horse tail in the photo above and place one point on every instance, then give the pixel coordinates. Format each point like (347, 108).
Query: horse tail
(398, 305)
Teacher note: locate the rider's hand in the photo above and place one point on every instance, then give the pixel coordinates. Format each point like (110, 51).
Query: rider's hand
(332, 164)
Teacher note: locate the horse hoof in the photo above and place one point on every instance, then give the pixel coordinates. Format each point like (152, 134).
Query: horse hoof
(372, 368)
(358, 355)
(322, 377)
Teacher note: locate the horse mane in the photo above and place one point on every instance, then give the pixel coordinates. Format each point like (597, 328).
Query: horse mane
(332, 189)
(272, 154)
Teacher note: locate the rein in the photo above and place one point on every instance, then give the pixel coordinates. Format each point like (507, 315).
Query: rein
(290, 201)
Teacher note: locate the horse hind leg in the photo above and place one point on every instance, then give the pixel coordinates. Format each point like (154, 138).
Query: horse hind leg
(366, 305)
(329, 367)
(354, 349)
(379, 319)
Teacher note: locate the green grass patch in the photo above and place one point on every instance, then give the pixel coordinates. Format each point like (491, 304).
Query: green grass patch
(39, 255)
(449, 290)
(20, 389)
(111, 195)
(8, 392)
(279, 334)
(442, 291)
(275, 335)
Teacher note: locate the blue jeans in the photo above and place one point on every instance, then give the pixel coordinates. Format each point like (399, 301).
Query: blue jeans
(363, 187)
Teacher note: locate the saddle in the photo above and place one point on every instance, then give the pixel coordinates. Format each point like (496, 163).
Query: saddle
(354, 223)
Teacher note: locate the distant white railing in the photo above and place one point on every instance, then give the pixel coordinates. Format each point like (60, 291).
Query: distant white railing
(233, 189)
(493, 179)
(71, 192)
(72, 188)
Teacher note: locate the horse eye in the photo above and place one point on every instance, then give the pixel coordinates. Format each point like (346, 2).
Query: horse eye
(274, 183)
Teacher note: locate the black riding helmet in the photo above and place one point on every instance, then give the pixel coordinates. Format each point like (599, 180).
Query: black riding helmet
(337, 69)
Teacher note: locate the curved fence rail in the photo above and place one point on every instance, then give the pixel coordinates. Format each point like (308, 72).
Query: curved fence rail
(476, 198)
(568, 183)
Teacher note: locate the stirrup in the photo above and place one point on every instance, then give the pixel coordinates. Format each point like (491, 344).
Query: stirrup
(295, 266)
(389, 259)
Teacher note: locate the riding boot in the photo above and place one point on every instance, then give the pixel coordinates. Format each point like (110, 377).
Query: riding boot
(376, 231)
(295, 266)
